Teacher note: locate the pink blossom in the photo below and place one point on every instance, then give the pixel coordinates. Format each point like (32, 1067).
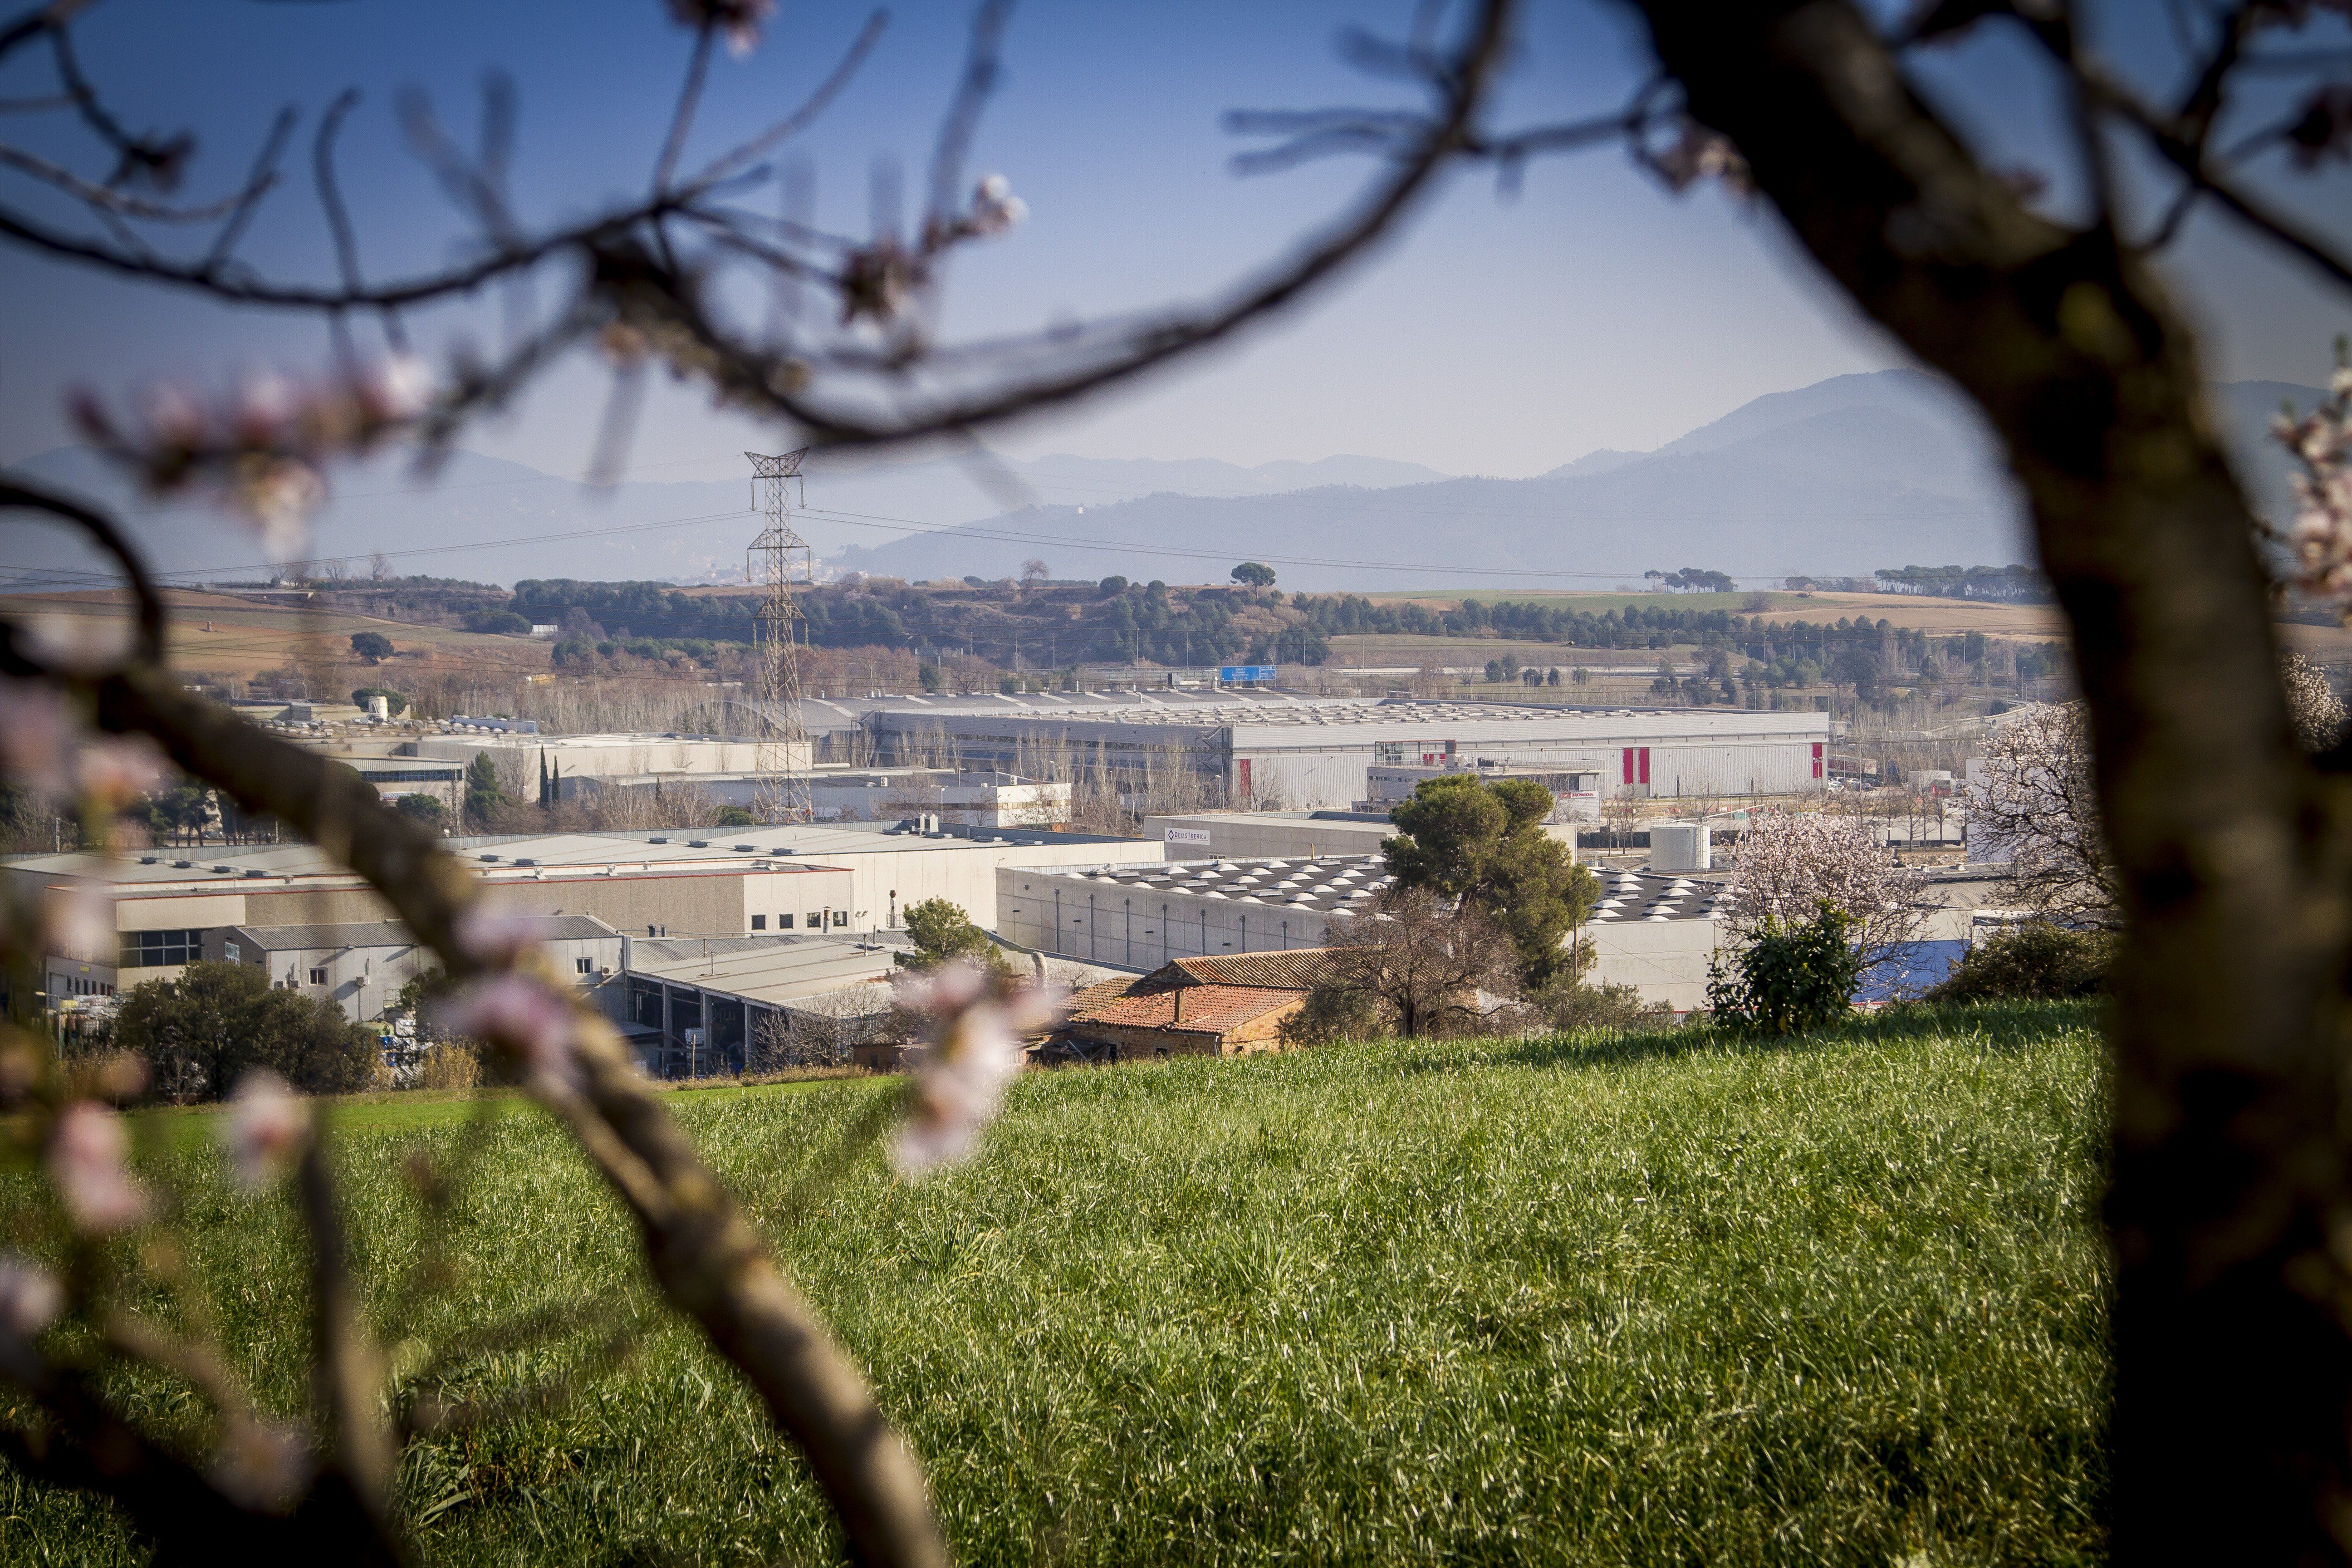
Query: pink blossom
(35, 736)
(30, 1297)
(495, 937)
(78, 645)
(172, 417)
(263, 1465)
(77, 921)
(526, 1017)
(267, 1127)
(86, 1148)
(278, 494)
(973, 1051)
(116, 770)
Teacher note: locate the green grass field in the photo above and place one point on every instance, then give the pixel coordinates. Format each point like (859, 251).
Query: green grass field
(1662, 1300)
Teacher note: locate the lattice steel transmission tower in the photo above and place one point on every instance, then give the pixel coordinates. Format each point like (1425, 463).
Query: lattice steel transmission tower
(779, 562)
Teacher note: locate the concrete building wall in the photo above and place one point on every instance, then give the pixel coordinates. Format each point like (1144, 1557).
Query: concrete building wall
(1306, 754)
(1135, 928)
(1248, 835)
(1666, 961)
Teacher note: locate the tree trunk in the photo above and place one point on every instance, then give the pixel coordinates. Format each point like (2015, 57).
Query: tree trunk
(2228, 1204)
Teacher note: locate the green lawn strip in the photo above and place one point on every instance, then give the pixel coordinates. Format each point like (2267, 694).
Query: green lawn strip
(1660, 1299)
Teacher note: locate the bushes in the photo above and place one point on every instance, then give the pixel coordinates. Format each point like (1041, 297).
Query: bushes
(1791, 978)
(2039, 962)
(200, 1032)
(1568, 1005)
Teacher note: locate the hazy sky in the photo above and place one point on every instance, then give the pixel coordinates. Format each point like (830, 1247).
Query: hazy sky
(1496, 337)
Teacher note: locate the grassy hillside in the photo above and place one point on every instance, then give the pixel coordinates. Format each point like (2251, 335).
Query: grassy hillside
(1653, 1300)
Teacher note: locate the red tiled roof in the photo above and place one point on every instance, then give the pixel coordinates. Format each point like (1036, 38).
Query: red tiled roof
(1187, 1009)
(1295, 969)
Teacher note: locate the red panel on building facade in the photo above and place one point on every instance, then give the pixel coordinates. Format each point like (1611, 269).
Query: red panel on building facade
(1645, 764)
(1817, 759)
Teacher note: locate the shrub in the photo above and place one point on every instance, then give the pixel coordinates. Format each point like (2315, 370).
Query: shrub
(503, 621)
(371, 646)
(1335, 1012)
(393, 700)
(2035, 962)
(200, 1032)
(1790, 978)
(1569, 1003)
(942, 930)
(735, 816)
(450, 1064)
(423, 809)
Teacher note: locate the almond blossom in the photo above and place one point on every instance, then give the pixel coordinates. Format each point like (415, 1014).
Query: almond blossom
(736, 21)
(77, 921)
(85, 1161)
(973, 1050)
(267, 1127)
(264, 446)
(527, 1018)
(1789, 865)
(30, 1297)
(263, 1465)
(36, 732)
(493, 937)
(2319, 539)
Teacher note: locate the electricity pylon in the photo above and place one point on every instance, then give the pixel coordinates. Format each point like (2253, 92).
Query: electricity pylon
(779, 562)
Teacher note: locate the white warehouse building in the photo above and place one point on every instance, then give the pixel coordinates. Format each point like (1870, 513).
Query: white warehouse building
(1303, 752)
(1652, 931)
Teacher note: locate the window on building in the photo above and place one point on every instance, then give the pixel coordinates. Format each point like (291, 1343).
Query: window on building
(585, 965)
(758, 922)
(317, 977)
(152, 949)
(783, 922)
(817, 919)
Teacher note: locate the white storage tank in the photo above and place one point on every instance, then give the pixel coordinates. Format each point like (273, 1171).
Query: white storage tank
(1681, 846)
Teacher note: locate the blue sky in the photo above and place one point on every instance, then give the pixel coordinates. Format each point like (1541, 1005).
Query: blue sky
(1499, 337)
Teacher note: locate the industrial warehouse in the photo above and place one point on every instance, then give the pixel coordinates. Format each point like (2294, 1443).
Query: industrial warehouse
(1312, 751)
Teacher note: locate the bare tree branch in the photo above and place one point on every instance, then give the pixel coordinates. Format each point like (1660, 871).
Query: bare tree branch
(704, 1255)
(109, 538)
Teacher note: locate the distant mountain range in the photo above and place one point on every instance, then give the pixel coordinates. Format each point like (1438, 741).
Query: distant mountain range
(1836, 479)
(491, 520)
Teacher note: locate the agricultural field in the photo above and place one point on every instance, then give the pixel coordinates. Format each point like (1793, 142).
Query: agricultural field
(1944, 617)
(235, 635)
(1657, 1299)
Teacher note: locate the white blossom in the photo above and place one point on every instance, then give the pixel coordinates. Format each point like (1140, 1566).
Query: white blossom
(77, 921)
(1789, 865)
(86, 1163)
(267, 1127)
(2311, 703)
(35, 736)
(737, 21)
(972, 1049)
(263, 1465)
(2319, 539)
(2033, 805)
(30, 1297)
(526, 1017)
(494, 937)
(113, 771)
